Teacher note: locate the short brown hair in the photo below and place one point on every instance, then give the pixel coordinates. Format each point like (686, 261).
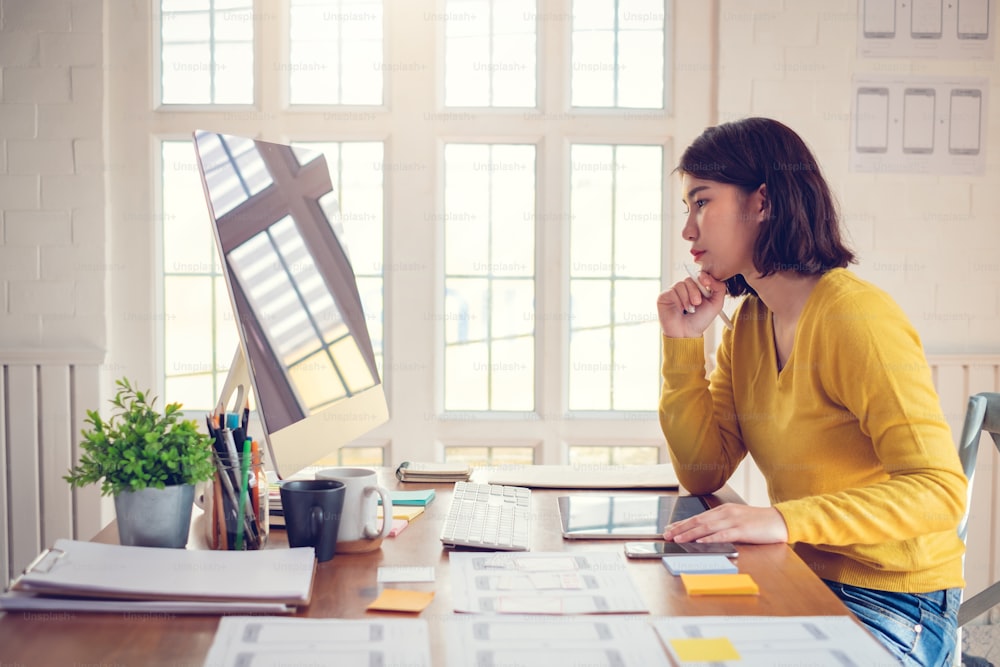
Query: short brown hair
(802, 232)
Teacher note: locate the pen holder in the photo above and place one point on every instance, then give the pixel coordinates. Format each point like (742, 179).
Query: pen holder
(226, 528)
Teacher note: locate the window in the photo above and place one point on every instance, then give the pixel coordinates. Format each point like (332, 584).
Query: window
(501, 170)
(489, 270)
(616, 195)
(490, 53)
(199, 334)
(618, 53)
(335, 52)
(206, 52)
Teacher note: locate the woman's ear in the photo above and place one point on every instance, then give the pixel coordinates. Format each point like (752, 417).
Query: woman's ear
(762, 205)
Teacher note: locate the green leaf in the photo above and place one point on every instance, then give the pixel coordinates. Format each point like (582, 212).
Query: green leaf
(137, 447)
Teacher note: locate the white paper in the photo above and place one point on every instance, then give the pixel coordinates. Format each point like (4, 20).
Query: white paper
(660, 476)
(764, 641)
(543, 583)
(948, 29)
(109, 570)
(908, 124)
(20, 601)
(569, 641)
(264, 641)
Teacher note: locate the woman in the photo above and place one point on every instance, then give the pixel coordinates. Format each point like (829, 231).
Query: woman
(822, 381)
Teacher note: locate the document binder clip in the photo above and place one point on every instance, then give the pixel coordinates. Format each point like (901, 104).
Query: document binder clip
(45, 561)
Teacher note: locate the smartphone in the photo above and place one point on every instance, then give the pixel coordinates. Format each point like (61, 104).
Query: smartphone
(661, 549)
(879, 18)
(965, 119)
(926, 19)
(973, 19)
(918, 120)
(871, 129)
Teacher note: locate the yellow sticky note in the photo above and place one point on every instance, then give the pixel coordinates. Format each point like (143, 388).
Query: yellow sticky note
(704, 649)
(392, 599)
(408, 512)
(720, 584)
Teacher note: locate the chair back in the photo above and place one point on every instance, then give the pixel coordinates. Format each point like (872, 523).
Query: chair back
(983, 414)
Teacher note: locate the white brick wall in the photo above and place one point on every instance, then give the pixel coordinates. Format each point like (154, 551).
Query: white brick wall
(52, 174)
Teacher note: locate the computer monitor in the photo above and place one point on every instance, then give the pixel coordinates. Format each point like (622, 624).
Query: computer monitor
(305, 350)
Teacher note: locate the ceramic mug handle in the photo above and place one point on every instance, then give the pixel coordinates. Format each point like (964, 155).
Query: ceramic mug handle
(370, 531)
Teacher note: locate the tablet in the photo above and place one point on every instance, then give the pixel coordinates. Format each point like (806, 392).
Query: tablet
(624, 517)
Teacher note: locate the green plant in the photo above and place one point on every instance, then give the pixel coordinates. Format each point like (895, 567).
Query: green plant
(139, 447)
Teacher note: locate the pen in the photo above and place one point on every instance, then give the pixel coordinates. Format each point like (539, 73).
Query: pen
(693, 272)
(244, 490)
(245, 513)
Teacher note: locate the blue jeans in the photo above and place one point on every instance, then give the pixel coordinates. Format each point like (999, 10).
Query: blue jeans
(916, 628)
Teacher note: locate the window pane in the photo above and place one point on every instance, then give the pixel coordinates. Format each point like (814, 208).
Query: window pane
(616, 201)
(618, 53)
(640, 70)
(613, 455)
(592, 204)
(236, 61)
(490, 53)
(361, 456)
(590, 369)
(490, 456)
(206, 52)
(489, 233)
(198, 326)
(593, 80)
(335, 52)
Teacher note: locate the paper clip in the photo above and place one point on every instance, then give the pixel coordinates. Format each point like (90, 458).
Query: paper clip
(45, 561)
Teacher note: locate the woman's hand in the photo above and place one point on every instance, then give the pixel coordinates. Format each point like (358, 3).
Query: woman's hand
(731, 523)
(684, 312)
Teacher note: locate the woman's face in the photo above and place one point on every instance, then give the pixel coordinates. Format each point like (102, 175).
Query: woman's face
(722, 224)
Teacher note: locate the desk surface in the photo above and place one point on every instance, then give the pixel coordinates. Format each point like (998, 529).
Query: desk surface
(344, 586)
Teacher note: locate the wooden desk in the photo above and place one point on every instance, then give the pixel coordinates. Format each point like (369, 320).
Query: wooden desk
(344, 586)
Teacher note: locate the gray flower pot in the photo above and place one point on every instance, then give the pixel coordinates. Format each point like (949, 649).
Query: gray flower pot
(155, 517)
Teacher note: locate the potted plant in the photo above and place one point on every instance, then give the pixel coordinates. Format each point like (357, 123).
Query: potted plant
(149, 461)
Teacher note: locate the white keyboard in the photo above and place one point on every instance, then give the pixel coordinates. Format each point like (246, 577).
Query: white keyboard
(488, 516)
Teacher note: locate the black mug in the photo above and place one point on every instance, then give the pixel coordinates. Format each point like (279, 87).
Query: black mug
(312, 509)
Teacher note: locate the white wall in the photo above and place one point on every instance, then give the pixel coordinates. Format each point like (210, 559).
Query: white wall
(932, 241)
(53, 264)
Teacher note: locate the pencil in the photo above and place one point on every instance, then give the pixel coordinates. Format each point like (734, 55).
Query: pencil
(693, 272)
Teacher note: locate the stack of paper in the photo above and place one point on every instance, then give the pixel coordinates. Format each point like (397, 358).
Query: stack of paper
(720, 584)
(406, 512)
(552, 476)
(88, 576)
(421, 497)
(411, 471)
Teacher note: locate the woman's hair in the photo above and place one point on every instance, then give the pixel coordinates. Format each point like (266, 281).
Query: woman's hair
(802, 229)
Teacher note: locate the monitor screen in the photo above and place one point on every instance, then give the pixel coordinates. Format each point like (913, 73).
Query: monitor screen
(303, 334)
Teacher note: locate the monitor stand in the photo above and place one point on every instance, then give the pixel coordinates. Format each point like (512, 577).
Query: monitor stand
(237, 382)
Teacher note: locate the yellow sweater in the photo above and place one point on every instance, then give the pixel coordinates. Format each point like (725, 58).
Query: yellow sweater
(849, 435)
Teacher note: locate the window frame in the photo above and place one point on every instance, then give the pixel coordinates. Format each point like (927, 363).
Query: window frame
(418, 428)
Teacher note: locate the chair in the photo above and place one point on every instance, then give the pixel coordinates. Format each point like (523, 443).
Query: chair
(983, 414)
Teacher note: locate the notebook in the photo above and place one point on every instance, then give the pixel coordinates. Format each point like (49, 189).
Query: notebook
(94, 570)
(624, 517)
